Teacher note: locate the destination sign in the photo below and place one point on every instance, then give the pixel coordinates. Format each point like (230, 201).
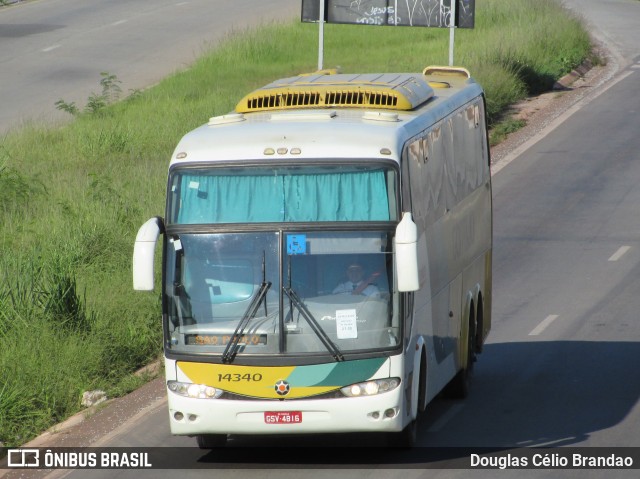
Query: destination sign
(223, 339)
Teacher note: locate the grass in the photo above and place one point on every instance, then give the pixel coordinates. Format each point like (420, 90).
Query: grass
(503, 129)
(72, 197)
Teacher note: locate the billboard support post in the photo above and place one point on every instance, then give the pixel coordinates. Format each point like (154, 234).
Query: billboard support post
(452, 31)
(321, 18)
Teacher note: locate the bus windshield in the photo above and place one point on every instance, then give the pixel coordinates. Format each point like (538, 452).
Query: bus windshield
(273, 293)
(282, 194)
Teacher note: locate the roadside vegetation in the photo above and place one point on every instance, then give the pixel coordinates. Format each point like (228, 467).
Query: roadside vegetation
(73, 196)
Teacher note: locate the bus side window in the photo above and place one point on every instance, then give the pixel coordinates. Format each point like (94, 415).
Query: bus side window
(418, 188)
(435, 172)
(405, 183)
(450, 184)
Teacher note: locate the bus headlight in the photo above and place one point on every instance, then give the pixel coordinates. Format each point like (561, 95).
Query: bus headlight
(199, 391)
(371, 388)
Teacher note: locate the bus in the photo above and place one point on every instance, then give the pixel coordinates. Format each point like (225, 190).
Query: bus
(326, 256)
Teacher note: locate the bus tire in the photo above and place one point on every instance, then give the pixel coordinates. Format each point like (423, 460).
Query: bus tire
(211, 441)
(480, 325)
(406, 438)
(422, 385)
(459, 386)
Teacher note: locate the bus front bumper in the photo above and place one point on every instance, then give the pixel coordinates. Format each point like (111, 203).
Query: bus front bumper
(380, 413)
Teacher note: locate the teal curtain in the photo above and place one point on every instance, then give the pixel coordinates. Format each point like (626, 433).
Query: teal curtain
(357, 196)
(230, 199)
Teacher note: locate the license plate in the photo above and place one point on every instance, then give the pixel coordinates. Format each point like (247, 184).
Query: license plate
(283, 417)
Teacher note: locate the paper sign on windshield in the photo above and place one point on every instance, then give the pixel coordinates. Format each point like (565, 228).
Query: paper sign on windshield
(346, 324)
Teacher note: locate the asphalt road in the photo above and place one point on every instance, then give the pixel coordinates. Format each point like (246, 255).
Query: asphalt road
(56, 49)
(560, 367)
(613, 22)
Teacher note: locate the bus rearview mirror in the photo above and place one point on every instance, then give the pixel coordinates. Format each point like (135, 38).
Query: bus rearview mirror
(144, 252)
(407, 254)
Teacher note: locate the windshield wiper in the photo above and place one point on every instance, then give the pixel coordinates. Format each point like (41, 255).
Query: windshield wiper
(232, 347)
(306, 314)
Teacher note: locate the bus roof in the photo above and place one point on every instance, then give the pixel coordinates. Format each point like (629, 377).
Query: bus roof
(330, 116)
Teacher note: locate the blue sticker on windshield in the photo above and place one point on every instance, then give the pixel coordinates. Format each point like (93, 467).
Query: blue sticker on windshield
(297, 244)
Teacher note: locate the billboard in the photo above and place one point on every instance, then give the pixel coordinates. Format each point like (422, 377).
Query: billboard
(410, 13)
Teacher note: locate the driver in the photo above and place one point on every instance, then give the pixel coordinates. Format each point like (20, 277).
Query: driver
(356, 283)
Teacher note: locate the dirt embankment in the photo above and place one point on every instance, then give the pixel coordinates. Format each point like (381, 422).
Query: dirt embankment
(541, 111)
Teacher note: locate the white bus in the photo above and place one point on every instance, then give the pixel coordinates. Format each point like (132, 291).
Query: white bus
(326, 263)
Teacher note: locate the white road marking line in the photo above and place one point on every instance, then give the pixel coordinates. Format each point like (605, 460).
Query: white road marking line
(620, 253)
(119, 22)
(52, 47)
(445, 418)
(543, 325)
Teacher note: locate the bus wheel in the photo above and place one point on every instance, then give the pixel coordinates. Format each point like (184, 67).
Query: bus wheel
(406, 438)
(458, 388)
(211, 441)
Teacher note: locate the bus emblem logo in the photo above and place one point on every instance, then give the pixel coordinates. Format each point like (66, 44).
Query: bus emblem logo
(282, 388)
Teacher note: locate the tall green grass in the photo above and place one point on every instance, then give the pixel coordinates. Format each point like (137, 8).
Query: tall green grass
(72, 196)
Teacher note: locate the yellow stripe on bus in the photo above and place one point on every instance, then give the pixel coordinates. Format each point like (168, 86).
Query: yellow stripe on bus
(254, 381)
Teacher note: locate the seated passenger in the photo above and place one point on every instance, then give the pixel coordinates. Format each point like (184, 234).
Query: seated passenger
(356, 283)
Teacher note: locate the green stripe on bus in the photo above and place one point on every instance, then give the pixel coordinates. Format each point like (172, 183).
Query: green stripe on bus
(335, 374)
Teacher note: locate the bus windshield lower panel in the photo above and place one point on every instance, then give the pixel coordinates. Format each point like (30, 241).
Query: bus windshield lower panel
(272, 293)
